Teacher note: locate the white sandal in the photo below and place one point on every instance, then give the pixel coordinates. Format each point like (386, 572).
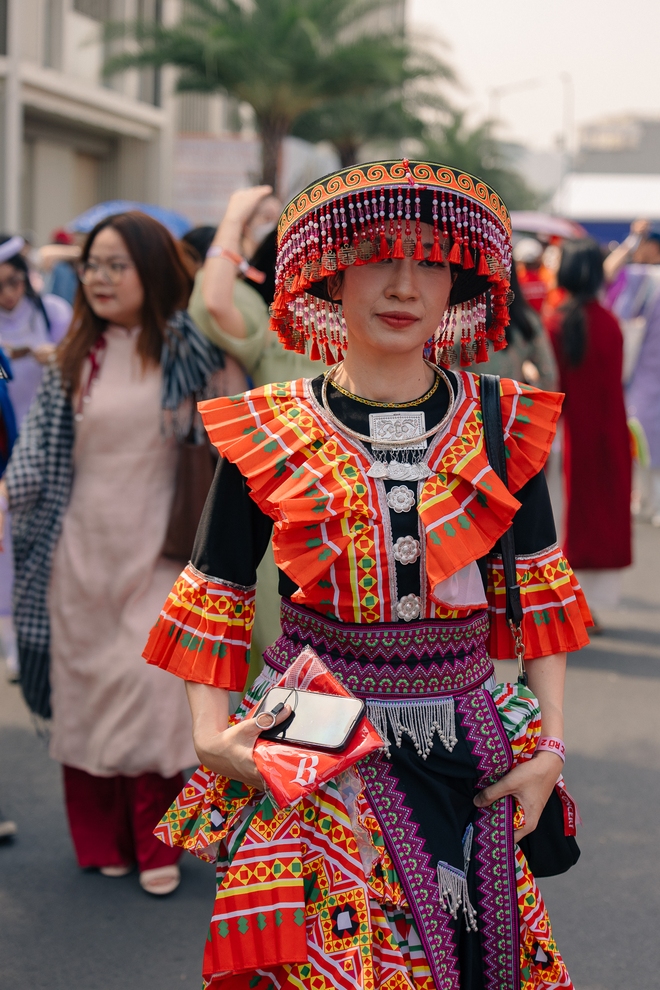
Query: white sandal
(115, 871)
(163, 880)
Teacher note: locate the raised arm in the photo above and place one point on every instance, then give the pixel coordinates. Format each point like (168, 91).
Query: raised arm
(219, 273)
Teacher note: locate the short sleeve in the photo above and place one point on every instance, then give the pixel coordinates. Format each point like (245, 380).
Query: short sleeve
(246, 350)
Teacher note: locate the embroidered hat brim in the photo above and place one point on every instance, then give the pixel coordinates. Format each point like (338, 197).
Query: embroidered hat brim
(367, 213)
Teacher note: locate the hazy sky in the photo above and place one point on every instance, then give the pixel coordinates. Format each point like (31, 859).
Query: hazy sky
(611, 50)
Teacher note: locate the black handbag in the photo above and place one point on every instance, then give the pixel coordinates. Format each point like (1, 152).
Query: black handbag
(548, 850)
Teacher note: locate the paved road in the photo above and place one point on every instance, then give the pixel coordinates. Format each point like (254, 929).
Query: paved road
(62, 929)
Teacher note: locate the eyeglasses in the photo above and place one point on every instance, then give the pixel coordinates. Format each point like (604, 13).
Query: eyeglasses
(13, 282)
(111, 271)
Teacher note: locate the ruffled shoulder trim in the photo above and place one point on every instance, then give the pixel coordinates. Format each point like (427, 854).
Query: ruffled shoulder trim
(312, 481)
(529, 419)
(260, 431)
(464, 507)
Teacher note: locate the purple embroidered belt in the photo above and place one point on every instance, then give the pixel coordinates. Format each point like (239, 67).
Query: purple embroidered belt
(387, 661)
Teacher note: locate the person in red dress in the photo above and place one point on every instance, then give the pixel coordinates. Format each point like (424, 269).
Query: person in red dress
(588, 344)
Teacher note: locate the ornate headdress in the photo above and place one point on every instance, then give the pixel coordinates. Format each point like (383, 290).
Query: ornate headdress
(371, 212)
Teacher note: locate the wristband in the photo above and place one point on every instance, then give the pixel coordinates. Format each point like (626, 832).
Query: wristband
(216, 251)
(550, 744)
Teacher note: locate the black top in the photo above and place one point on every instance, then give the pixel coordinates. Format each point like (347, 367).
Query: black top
(233, 533)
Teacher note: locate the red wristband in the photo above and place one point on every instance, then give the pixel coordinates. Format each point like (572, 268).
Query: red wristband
(551, 744)
(216, 251)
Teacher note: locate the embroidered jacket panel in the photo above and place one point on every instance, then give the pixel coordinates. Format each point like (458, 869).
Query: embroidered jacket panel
(332, 526)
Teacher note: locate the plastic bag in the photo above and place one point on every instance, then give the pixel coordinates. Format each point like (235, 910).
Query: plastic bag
(291, 771)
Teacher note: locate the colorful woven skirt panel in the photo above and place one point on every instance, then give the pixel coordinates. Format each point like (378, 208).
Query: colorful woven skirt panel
(386, 877)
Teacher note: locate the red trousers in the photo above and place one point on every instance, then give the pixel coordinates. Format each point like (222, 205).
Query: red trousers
(112, 818)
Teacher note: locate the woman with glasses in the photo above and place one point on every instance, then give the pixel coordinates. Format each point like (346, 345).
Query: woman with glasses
(90, 485)
(30, 327)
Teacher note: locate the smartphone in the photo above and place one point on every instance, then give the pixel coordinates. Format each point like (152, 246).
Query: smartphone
(320, 721)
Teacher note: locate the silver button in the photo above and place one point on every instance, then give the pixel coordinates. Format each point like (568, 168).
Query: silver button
(407, 550)
(409, 607)
(400, 498)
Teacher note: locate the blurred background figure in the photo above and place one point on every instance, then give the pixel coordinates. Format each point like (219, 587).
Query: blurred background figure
(634, 295)
(57, 261)
(91, 483)
(196, 244)
(528, 356)
(7, 439)
(232, 311)
(588, 345)
(30, 328)
(528, 258)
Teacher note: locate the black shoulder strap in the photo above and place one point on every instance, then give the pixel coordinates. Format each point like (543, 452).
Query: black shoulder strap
(494, 434)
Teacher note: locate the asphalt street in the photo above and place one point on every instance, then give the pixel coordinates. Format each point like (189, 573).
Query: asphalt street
(64, 929)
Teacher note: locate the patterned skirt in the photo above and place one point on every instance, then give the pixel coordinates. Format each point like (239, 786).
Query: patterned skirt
(387, 876)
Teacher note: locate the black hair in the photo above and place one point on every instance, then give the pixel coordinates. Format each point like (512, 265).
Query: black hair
(263, 260)
(18, 262)
(521, 313)
(200, 239)
(581, 274)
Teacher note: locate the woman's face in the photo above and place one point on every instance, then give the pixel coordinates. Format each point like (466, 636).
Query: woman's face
(394, 306)
(112, 285)
(12, 287)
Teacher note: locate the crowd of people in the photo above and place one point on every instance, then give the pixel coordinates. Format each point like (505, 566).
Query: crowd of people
(109, 465)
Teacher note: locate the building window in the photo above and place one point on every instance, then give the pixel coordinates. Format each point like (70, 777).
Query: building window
(150, 12)
(99, 10)
(3, 27)
(53, 34)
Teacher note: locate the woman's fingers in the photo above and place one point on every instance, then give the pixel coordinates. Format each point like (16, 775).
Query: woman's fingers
(496, 791)
(255, 729)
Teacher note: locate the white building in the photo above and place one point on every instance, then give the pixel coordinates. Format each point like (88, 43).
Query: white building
(70, 137)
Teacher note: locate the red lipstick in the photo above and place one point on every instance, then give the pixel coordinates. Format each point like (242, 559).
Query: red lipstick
(398, 319)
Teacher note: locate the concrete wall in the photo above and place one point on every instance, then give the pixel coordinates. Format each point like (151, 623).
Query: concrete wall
(70, 138)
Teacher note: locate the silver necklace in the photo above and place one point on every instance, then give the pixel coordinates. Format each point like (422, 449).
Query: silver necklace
(398, 438)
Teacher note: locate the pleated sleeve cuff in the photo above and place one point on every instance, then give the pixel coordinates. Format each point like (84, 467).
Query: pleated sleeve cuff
(204, 631)
(555, 611)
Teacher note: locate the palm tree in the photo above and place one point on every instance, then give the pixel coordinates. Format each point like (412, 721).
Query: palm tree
(391, 115)
(285, 58)
(478, 152)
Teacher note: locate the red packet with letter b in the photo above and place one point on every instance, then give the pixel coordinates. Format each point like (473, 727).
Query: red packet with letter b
(292, 768)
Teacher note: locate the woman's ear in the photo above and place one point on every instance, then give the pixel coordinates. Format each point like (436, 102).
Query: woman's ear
(334, 283)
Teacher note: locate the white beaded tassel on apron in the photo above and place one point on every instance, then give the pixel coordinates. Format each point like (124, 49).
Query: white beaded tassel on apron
(419, 720)
(454, 886)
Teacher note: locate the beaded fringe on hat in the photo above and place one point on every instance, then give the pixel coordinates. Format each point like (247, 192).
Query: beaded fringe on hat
(454, 886)
(370, 213)
(419, 720)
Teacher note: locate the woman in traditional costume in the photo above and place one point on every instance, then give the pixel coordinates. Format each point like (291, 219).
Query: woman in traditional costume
(385, 515)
